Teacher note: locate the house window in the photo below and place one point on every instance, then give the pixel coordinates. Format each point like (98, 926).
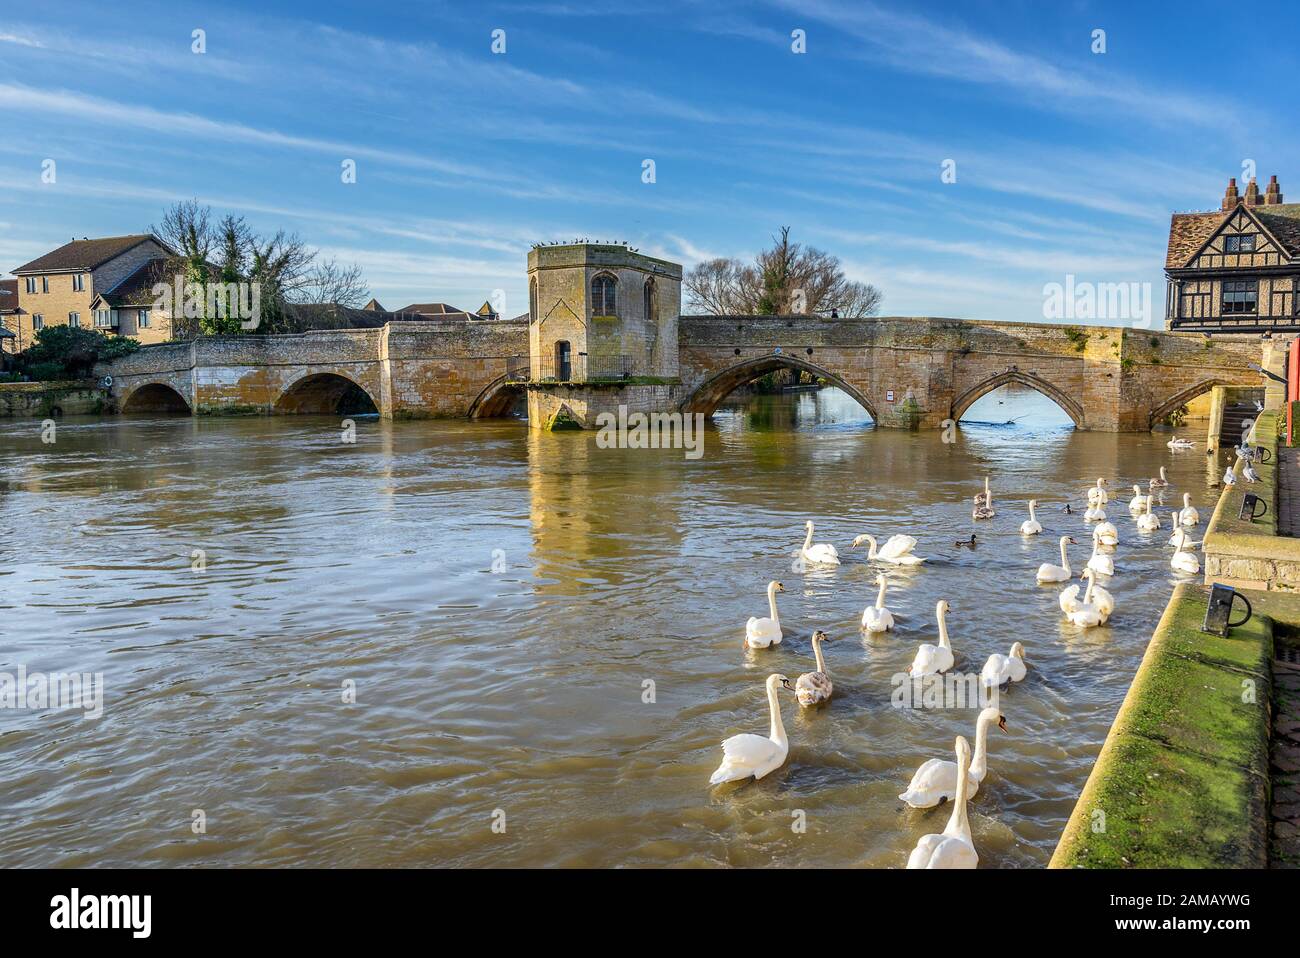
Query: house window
(38, 321)
(74, 320)
(105, 318)
(602, 296)
(1240, 297)
(45, 284)
(1240, 244)
(142, 319)
(31, 284)
(78, 282)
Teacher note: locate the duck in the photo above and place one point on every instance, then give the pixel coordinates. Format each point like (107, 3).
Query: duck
(1105, 533)
(1159, 482)
(1189, 516)
(1058, 573)
(1138, 502)
(1097, 495)
(1001, 669)
(1099, 562)
(823, 553)
(761, 633)
(1031, 526)
(897, 550)
(954, 848)
(936, 780)
(876, 618)
(1148, 521)
(814, 688)
(1184, 560)
(934, 659)
(752, 756)
(966, 543)
(1177, 443)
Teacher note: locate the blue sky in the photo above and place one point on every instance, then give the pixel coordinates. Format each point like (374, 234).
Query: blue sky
(1067, 161)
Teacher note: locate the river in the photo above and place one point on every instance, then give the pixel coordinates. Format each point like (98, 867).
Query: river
(496, 602)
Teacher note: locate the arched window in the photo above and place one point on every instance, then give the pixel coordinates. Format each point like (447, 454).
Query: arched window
(532, 300)
(649, 300)
(602, 295)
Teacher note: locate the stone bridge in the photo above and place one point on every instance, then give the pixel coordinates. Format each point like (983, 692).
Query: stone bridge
(906, 371)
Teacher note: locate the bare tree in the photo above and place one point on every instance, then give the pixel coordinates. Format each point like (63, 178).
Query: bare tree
(328, 281)
(186, 228)
(785, 278)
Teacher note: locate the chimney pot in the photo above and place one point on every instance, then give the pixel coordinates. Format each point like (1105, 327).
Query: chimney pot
(1230, 197)
(1273, 195)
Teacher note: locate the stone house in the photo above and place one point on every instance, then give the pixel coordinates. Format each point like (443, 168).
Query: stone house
(1235, 269)
(61, 287)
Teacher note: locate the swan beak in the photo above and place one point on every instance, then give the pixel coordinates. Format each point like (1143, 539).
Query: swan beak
(1002, 722)
(785, 684)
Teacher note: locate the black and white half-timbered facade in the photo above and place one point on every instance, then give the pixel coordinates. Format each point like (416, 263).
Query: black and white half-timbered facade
(1236, 269)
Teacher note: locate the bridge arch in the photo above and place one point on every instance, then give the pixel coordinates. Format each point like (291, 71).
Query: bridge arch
(497, 398)
(156, 397)
(977, 392)
(325, 394)
(1180, 399)
(709, 394)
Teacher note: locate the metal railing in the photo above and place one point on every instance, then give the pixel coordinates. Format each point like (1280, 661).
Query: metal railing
(578, 368)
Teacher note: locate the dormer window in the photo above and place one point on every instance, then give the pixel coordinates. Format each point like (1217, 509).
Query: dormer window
(603, 302)
(1239, 244)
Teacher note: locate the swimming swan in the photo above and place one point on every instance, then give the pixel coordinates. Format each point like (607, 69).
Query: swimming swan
(933, 659)
(1099, 562)
(1189, 516)
(1160, 482)
(1185, 561)
(897, 550)
(1138, 502)
(822, 554)
(936, 780)
(876, 618)
(760, 633)
(748, 754)
(814, 688)
(1001, 669)
(1148, 521)
(954, 848)
(1057, 573)
(1105, 533)
(1031, 526)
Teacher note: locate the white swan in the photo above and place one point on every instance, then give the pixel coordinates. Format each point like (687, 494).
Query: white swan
(897, 550)
(1105, 533)
(954, 848)
(823, 553)
(748, 754)
(1185, 561)
(876, 618)
(1097, 495)
(1001, 669)
(1095, 513)
(1087, 614)
(1160, 482)
(933, 659)
(1099, 562)
(1189, 516)
(1176, 443)
(936, 780)
(1180, 538)
(1138, 502)
(1148, 521)
(1031, 526)
(760, 633)
(813, 688)
(1057, 573)
(1100, 597)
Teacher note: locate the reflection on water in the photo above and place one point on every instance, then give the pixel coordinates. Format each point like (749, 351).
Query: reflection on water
(500, 598)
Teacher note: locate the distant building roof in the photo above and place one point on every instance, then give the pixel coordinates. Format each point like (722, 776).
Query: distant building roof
(430, 309)
(375, 306)
(8, 295)
(304, 317)
(86, 254)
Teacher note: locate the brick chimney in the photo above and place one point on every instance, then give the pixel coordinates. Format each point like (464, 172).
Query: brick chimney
(1273, 195)
(1230, 197)
(1252, 193)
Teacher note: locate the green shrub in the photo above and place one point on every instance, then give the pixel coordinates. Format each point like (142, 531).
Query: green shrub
(67, 352)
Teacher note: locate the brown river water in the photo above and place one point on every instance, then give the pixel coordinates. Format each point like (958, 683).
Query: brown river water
(498, 598)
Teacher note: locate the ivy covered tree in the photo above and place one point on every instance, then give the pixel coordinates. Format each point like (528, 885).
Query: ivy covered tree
(69, 352)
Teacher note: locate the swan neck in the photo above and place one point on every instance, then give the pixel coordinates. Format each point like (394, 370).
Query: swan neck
(1065, 557)
(817, 651)
(958, 823)
(980, 760)
(808, 539)
(774, 705)
(771, 604)
(943, 629)
(1032, 517)
(880, 597)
